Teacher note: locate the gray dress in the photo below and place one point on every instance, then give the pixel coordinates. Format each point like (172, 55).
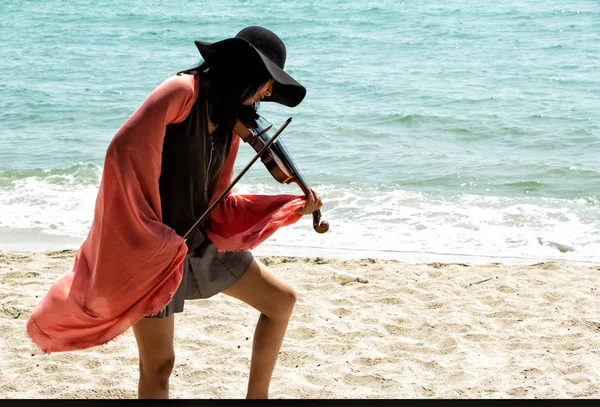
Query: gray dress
(206, 272)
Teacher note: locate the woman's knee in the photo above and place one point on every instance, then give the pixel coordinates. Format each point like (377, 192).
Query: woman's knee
(264, 291)
(291, 298)
(157, 368)
(154, 338)
(283, 303)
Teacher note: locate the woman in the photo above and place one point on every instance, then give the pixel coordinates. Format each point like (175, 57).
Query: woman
(233, 79)
(163, 168)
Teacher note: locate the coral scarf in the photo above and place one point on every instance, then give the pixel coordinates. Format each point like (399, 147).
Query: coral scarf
(130, 264)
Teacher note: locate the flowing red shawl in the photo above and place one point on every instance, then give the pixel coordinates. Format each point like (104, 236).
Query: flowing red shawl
(131, 264)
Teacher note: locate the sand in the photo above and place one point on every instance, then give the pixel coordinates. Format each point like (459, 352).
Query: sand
(361, 329)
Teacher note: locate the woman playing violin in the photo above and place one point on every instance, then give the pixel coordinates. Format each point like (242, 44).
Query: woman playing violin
(200, 107)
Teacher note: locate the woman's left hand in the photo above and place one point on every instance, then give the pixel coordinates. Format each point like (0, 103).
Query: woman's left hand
(313, 202)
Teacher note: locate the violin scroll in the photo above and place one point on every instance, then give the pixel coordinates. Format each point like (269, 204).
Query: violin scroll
(318, 225)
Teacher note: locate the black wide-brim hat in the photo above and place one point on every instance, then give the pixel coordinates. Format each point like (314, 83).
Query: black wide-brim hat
(271, 50)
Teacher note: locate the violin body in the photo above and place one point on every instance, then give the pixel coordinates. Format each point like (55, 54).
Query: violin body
(277, 160)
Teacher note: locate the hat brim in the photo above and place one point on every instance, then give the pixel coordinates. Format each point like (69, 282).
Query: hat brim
(286, 90)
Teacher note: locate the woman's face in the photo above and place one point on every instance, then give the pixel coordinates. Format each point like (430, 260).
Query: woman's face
(264, 91)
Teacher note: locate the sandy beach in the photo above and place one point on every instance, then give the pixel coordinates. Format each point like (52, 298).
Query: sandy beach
(361, 329)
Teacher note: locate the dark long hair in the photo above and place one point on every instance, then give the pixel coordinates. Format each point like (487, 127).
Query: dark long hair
(226, 81)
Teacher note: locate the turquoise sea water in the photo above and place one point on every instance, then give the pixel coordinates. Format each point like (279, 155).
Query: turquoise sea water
(433, 130)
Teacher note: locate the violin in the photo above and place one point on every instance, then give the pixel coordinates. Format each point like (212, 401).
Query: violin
(274, 155)
(277, 160)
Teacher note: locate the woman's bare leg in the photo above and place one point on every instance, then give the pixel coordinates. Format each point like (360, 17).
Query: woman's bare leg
(275, 300)
(154, 338)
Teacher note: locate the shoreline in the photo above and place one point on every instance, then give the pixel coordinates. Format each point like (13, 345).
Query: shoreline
(33, 242)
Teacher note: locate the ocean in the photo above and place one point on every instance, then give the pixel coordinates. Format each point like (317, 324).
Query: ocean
(434, 131)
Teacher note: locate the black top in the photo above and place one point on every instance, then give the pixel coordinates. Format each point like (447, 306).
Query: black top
(191, 163)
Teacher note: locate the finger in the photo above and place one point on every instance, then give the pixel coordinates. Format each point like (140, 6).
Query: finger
(311, 197)
(318, 200)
